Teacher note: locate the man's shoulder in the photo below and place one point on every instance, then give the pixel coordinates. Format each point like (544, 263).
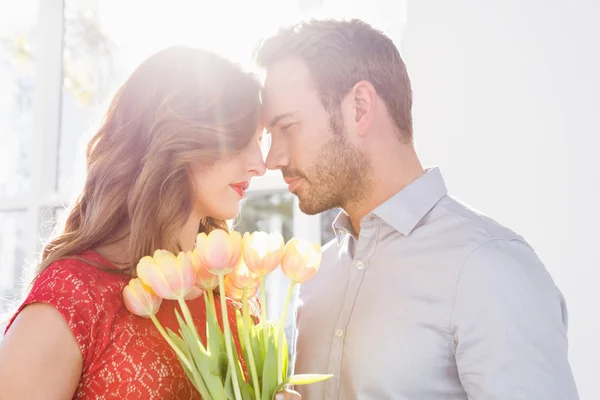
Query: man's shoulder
(454, 217)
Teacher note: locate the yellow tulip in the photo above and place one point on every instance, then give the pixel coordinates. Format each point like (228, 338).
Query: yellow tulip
(263, 251)
(219, 251)
(301, 260)
(205, 279)
(140, 299)
(234, 292)
(242, 277)
(169, 277)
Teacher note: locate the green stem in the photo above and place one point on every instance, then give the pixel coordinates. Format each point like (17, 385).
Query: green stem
(263, 311)
(280, 332)
(188, 317)
(171, 343)
(246, 319)
(228, 339)
(198, 380)
(211, 300)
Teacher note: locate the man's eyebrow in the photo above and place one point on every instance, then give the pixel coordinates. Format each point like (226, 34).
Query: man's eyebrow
(278, 118)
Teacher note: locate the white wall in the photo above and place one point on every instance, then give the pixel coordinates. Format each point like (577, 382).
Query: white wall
(507, 102)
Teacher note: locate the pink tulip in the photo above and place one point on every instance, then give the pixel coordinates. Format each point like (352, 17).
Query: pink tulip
(205, 279)
(140, 299)
(235, 293)
(194, 293)
(242, 277)
(301, 260)
(169, 277)
(263, 251)
(219, 251)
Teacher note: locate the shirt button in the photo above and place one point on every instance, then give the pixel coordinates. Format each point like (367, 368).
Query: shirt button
(360, 265)
(339, 333)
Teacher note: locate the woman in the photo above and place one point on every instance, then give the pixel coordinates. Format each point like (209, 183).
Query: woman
(177, 149)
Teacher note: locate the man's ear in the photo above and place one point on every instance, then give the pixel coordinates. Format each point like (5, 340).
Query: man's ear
(364, 99)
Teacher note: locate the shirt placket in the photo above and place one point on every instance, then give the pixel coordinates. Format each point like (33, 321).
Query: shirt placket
(365, 246)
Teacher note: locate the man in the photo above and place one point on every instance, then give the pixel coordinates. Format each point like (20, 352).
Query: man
(419, 297)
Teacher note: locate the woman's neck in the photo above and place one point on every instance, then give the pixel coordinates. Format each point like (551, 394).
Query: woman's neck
(187, 240)
(116, 249)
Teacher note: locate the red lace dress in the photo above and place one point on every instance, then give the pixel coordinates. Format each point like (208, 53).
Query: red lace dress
(124, 356)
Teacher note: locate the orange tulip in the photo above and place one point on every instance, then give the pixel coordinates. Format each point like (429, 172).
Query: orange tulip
(219, 251)
(205, 279)
(234, 292)
(170, 277)
(301, 260)
(263, 251)
(140, 299)
(242, 277)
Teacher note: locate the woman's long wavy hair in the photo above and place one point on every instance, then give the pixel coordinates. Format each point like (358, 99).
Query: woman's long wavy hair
(181, 106)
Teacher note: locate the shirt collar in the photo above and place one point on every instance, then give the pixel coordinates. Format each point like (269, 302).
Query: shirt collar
(342, 226)
(404, 210)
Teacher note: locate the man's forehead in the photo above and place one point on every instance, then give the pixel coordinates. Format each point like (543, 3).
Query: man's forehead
(287, 74)
(289, 69)
(287, 83)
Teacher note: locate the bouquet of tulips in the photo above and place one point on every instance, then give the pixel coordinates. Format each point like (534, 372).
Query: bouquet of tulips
(237, 267)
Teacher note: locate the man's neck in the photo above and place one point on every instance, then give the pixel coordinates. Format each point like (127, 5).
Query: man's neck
(389, 177)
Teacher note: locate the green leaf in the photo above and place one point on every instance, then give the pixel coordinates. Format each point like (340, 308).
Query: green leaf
(218, 365)
(307, 379)
(259, 348)
(263, 346)
(229, 393)
(270, 372)
(184, 348)
(198, 351)
(284, 366)
(302, 379)
(215, 341)
(245, 389)
(180, 343)
(201, 360)
(240, 373)
(240, 328)
(250, 393)
(246, 350)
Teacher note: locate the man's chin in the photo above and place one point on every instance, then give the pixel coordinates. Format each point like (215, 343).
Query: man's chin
(309, 207)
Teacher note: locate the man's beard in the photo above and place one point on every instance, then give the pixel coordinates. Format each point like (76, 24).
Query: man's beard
(339, 177)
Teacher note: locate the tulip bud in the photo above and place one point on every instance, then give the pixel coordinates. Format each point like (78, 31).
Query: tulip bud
(263, 251)
(235, 293)
(219, 251)
(169, 277)
(242, 277)
(140, 299)
(205, 279)
(301, 260)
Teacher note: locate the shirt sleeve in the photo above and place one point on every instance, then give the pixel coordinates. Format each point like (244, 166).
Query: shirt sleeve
(509, 322)
(64, 287)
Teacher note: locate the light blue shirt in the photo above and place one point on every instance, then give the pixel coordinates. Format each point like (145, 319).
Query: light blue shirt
(432, 301)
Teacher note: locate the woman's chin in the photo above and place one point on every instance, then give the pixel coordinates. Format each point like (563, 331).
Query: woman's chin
(229, 213)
